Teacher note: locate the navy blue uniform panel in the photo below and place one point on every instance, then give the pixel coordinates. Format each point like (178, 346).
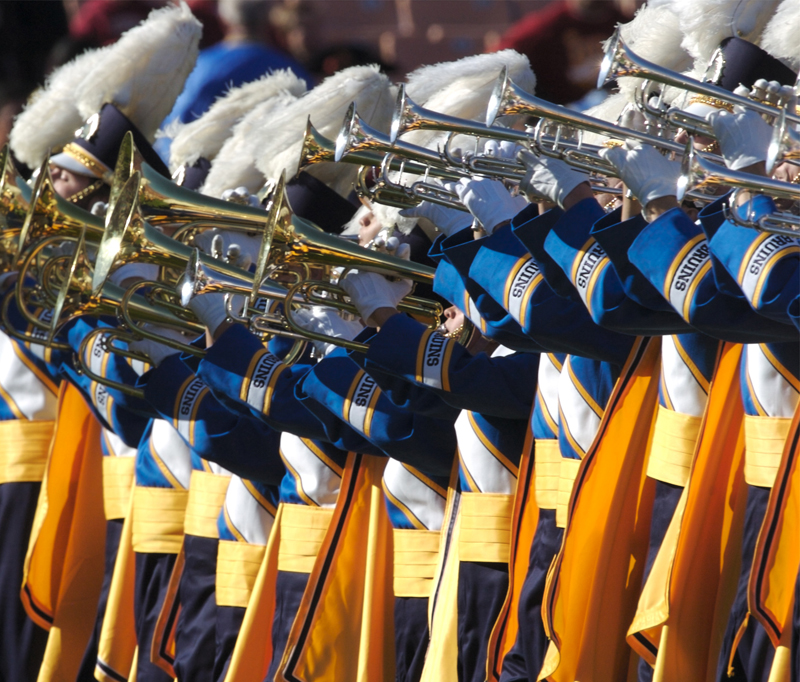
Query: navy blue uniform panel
(89, 661)
(22, 642)
(229, 622)
(153, 572)
(754, 654)
(482, 588)
(196, 633)
(524, 660)
(410, 637)
(289, 588)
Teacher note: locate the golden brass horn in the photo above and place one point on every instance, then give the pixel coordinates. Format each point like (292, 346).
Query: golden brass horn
(15, 194)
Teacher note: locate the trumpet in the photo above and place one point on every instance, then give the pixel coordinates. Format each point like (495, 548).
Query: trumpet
(697, 172)
(620, 61)
(784, 144)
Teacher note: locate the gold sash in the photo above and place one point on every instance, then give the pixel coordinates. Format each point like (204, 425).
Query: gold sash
(206, 497)
(568, 471)
(24, 446)
(238, 564)
(158, 515)
(674, 441)
(485, 527)
(548, 471)
(763, 446)
(416, 553)
(118, 473)
(302, 532)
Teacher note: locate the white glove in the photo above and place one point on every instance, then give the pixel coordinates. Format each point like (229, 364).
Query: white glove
(157, 352)
(447, 220)
(327, 321)
(369, 291)
(489, 201)
(504, 149)
(210, 310)
(646, 172)
(551, 178)
(131, 271)
(241, 195)
(237, 248)
(743, 136)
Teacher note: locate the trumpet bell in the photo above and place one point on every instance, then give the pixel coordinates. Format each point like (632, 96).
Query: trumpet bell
(15, 194)
(50, 214)
(317, 148)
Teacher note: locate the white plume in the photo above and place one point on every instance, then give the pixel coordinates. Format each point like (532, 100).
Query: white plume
(235, 165)
(278, 143)
(144, 71)
(781, 37)
(206, 135)
(655, 35)
(462, 87)
(706, 23)
(51, 116)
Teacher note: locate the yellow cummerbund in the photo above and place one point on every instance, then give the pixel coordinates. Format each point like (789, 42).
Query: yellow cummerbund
(548, 467)
(416, 553)
(302, 532)
(24, 446)
(238, 564)
(158, 515)
(206, 497)
(674, 440)
(485, 533)
(567, 474)
(118, 475)
(764, 438)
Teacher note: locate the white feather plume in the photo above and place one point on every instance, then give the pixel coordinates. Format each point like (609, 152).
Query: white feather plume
(655, 35)
(144, 71)
(279, 141)
(706, 23)
(235, 164)
(781, 37)
(206, 135)
(51, 116)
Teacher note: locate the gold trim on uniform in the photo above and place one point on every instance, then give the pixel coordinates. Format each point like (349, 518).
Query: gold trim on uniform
(712, 102)
(118, 473)
(93, 164)
(547, 457)
(568, 472)
(238, 564)
(206, 497)
(158, 515)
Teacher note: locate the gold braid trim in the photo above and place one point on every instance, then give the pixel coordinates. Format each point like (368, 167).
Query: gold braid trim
(712, 102)
(95, 166)
(85, 192)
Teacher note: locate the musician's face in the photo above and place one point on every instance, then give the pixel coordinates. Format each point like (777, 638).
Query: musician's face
(453, 318)
(66, 183)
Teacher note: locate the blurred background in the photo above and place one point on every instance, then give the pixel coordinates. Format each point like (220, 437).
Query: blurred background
(243, 39)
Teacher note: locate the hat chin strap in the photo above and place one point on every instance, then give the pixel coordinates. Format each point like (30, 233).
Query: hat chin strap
(80, 195)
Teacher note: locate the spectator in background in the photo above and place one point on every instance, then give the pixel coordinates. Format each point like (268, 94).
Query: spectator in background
(562, 41)
(242, 56)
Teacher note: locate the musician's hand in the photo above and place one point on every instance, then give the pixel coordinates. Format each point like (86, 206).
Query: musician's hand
(370, 291)
(646, 172)
(550, 178)
(743, 136)
(489, 201)
(446, 220)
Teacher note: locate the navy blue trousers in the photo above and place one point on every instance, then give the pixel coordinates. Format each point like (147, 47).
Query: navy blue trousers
(410, 637)
(153, 572)
(665, 502)
(289, 590)
(196, 633)
(482, 588)
(113, 533)
(22, 642)
(229, 622)
(524, 660)
(755, 652)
